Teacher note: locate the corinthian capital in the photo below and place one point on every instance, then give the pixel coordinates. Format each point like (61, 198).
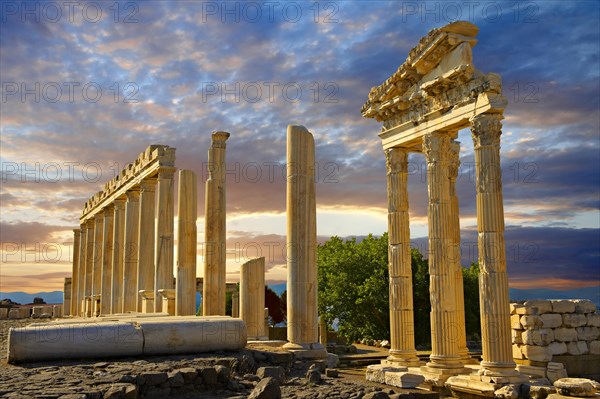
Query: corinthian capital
(219, 138)
(486, 129)
(454, 161)
(396, 160)
(436, 146)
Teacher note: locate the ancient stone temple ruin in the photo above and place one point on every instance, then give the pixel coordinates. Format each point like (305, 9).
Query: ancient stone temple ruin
(436, 92)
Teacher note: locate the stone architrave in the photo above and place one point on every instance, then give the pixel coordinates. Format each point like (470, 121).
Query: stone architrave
(81, 280)
(130, 250)
(402, 345)
(118, 258)
(146, 233)
(445, 333)
(252, 297)
(163, 265)
(213, 294)
(185, 298)
(107, 259)
(455, 262)
(71, 308)
(493, 280)
(302, 329)
(97, 257)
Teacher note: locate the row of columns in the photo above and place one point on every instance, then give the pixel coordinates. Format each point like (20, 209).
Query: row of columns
(448, 340)
(121, 252)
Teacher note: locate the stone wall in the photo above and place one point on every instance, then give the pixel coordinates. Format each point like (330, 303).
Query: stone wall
(543, 329)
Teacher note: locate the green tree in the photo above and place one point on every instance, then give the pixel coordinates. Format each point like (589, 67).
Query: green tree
(273, 302)
(421, 303)
(471, 284)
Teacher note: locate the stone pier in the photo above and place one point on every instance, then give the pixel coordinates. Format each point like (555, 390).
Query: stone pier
(67, 299)
(185, 298)
(436, 92)
(252, 298)
(302, 330)
(213, 295)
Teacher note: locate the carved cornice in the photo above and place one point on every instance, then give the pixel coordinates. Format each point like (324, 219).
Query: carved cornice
(486, 130)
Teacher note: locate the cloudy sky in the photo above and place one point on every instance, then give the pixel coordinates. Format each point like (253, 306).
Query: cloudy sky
(88, 86)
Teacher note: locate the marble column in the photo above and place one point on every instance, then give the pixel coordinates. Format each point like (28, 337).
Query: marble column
(89, 267)
(97, 257)
(444, 358)
(453, 167)
(72, 308)
(302, 329)
(402, 343)
(146, 240)
(118, 240)
(107, 258)
(187, 208)
(493, 280)
(213, 294)
(252, 297)
(67, 292)
(235, 304)
(163, 265)
(81, 280)
(130, 250)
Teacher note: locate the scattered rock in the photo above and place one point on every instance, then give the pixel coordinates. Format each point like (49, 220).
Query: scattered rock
(376, 395)
(507, 392)
(276, 372)
(313, 375)
(267, 388)
(332, 373)
(579, 387)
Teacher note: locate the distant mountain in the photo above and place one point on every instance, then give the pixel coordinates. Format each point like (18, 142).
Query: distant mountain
(25, 298)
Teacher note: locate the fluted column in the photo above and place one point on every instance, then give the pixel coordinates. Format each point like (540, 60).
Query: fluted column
(213, 294)
(146, 240)
(302, 329)
(72, 308)
(187, 208)
(97, 257)
(163, 265)
(453, 166)
(444, 316)
(252, 297)
(118, 240)
(402, 350)
(89, 267)
(81, 280)
(130, 251)
(107, 258)
(493, 280)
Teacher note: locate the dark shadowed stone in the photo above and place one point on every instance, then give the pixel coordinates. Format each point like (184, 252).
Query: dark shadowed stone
(276, 372)
(267, 388)
(209, 375)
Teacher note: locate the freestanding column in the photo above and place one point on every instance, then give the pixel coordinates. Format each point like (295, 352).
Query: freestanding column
(163, 267)
(302, 330)
(493, 280)
(146, 233)
(89, 267)
(187, 207)
(130, 251)
(213, 295)
(81, 280)
(67, 292)
(107, 258)
(252, 297)
(117, 260)
(402, 350)
(97, 257)
(453, 165)
(72, 308)
(444, 357)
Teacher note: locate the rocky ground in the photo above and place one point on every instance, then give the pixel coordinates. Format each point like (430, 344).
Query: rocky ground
(251, 373)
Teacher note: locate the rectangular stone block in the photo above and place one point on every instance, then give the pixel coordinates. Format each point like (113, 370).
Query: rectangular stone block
(4, 313)
(557, 348)
(514, 307)
(565, 334)
(523, 310)
(577, 348)
(531, 322)
(584, 306)
(402, 379)
(536, 353)
(543, 306)
(516, 336)
(541, 337)
(594, 347)
(551, 320)
(516, 350)
(515, 322)
(563, 306)
(376, 372)
(593, 319)
(574, 320)
(587, 333)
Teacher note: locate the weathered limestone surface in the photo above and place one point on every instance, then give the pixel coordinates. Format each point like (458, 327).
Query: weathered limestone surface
(164, 246)
(72, 292)
(130, 251)
(302, 330)
(118, 240)
(79, 309)
(252, 297)
(146, 232)
(185, 301)
(107, 259)
(125, 337)
(67, 288)
(213, 295)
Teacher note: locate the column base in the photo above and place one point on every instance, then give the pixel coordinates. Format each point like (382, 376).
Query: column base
(395, 376)
(475, 385)
(401, 360)
(306, 351)
(436, 375)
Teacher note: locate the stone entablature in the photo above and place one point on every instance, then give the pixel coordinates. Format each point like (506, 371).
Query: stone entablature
(146, 165)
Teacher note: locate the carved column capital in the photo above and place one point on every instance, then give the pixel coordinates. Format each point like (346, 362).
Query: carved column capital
(166, 172)
(436, 146)
(454, 160)
(133, 194)
(396, 160)
(219, 138)
(148, 185)
(119, 203)
(486, 129)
